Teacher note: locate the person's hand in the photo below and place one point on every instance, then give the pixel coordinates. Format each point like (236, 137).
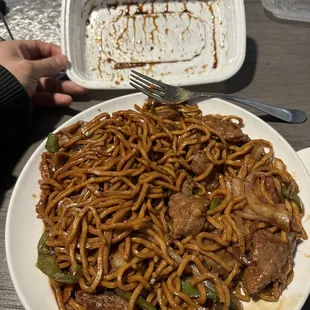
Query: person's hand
(34, 64)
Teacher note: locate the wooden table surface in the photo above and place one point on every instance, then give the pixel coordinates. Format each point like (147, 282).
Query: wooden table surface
(276, 71)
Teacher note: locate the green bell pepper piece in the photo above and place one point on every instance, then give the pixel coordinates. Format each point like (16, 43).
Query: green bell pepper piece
(286, 192)
(52, 144)
(48, 265)
(215, 202)
(142, 303)
(188, 289)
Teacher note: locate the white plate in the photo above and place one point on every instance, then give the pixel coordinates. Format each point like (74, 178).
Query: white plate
(23, 229)
(181, 42)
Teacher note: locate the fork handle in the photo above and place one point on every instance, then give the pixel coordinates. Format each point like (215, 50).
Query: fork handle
(286, 115)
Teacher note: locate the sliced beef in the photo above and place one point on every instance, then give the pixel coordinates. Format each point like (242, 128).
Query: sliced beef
(200, 163)
(171, 114)
(241, 258)
(188, 185)
(196, 148)
(271, 260)
(108, 301)
(230, 131)
(272, 190)
(187, 214)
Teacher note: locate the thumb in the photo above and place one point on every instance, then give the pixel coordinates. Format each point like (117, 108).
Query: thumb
(49, 67)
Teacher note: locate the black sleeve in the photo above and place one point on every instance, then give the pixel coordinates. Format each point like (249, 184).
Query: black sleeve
(15, 107)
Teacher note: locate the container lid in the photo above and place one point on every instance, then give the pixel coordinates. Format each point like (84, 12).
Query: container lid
(298, 10)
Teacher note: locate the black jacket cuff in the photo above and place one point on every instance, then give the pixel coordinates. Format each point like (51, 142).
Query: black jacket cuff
(15, 106)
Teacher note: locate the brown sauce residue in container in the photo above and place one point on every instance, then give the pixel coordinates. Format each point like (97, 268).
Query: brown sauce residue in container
(99, 66)
(189, 69)
(166, 6)
(215, 58)
(155, 28)
(148, 14)
(139, 9)
(188, 25)
(185, 10)
(129, 65)
(143, 27)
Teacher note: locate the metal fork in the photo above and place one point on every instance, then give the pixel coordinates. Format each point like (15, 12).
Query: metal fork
(168, 94)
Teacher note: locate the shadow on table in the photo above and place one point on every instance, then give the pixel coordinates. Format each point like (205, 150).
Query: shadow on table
(44, 121)
(270, 119)
(307, 304)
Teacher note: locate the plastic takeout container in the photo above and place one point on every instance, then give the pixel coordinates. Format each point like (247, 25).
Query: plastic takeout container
(182, 43)
(298, 10)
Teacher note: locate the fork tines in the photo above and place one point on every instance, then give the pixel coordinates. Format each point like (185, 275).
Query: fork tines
(150, 87)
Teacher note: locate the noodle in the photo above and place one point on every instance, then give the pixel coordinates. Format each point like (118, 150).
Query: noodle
(114, 195)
